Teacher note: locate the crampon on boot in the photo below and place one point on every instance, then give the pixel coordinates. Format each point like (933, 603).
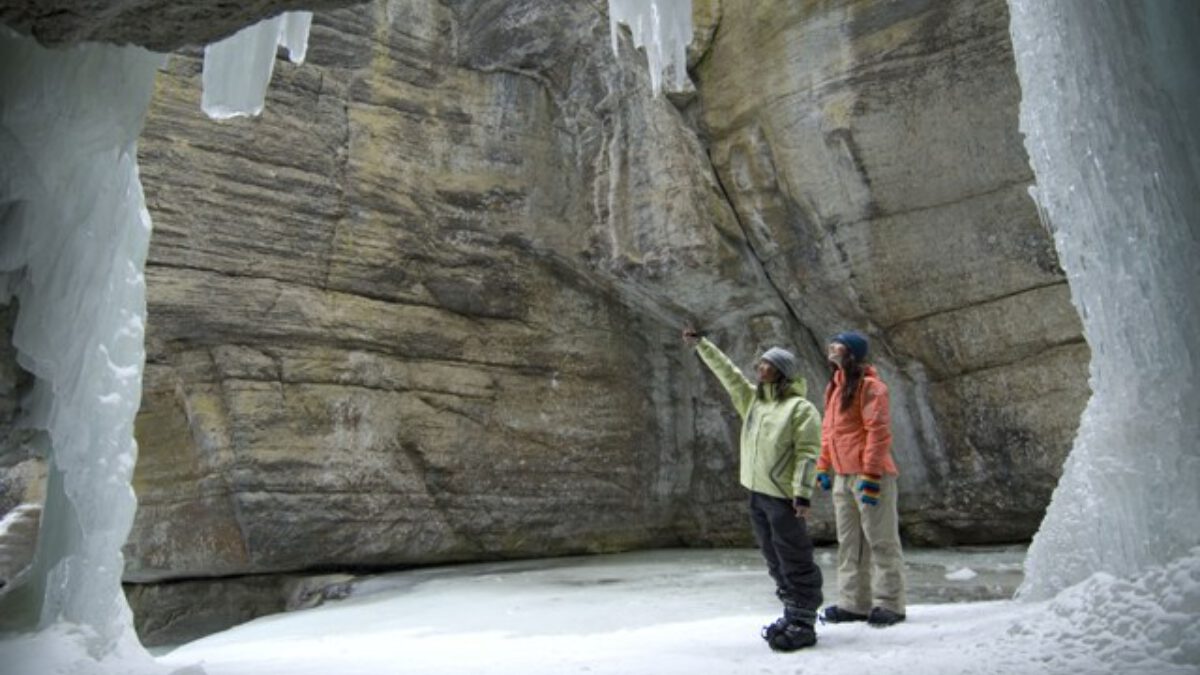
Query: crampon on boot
(793, 636)
(794, 630)
(770, 630)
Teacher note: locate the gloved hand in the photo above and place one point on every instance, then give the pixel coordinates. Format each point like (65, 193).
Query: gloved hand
(868, 484)
(824, 480)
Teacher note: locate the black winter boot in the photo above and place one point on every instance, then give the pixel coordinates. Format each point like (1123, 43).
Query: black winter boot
(835, 614)
(881, 617)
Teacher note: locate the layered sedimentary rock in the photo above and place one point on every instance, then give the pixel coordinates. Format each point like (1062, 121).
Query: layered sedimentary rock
(426, 308)
(871, 152)
(159, 25)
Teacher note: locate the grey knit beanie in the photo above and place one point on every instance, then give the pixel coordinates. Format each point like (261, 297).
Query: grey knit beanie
(783, 360)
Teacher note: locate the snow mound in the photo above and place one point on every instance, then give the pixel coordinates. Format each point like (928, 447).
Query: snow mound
(962, 574)
(1149, 624)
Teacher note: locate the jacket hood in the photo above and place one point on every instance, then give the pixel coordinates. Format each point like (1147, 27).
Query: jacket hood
(798, 387)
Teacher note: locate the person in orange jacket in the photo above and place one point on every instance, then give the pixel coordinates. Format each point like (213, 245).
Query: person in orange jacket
(856, 464)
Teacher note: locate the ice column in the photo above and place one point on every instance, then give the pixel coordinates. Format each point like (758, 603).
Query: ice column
(664, 29)
(238, 69)
(1111, 114)
(73, 239)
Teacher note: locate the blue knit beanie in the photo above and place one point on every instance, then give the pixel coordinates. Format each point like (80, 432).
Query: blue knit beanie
(856, 342)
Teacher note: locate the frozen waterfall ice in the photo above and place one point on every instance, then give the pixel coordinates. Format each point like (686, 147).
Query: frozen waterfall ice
(1111, 116)
(74, 231)
(664, 29)
(237, 70)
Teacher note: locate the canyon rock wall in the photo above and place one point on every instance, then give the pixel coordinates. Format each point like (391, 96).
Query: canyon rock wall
(872, 155)
(426, 307)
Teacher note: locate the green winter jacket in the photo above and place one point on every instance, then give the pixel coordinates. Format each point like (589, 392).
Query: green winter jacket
(781, 438)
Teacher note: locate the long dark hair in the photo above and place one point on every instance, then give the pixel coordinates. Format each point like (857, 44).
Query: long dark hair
(854, 376)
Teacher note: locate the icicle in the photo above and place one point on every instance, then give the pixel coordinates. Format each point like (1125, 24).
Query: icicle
(664, 29)
(238, 69)
(294, 35)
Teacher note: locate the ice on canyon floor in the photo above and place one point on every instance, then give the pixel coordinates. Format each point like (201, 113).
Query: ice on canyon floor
(962, 574)
(237, 70)
(690, 612)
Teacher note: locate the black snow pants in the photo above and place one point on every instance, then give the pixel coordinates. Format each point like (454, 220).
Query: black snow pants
(788, 550)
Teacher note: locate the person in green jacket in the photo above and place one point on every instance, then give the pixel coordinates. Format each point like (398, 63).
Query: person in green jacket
(780, 444)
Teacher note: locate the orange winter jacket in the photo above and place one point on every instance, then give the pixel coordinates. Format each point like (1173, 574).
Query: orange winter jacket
(859, 438)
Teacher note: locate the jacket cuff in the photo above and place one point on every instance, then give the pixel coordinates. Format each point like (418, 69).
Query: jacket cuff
(803, 492)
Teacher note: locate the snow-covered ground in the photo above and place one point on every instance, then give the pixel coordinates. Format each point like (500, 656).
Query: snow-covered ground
(662, 612)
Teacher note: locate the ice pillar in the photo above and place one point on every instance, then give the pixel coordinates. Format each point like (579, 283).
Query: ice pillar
(73, 239)
(1111, 116)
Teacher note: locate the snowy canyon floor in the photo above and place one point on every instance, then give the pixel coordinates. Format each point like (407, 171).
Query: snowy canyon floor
(674, 611)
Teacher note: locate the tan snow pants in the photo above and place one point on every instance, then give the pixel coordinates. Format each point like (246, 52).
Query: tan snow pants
(870, 562)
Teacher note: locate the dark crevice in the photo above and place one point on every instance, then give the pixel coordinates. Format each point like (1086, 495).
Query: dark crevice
(981, 303)
(986, 367)
(758, 258)
(436, 481)
(878, 214)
